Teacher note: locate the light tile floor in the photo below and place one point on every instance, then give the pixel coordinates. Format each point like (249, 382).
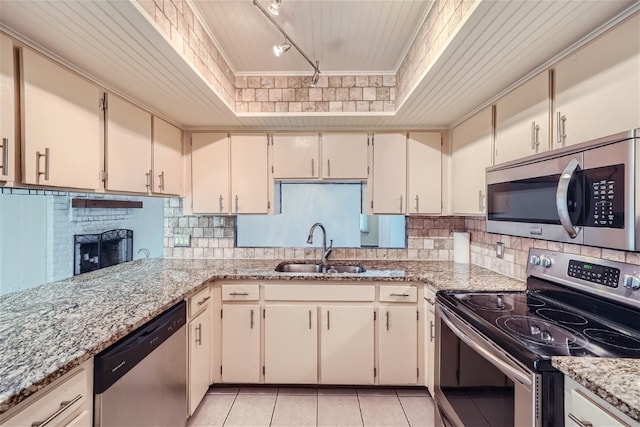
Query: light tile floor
(325, 407)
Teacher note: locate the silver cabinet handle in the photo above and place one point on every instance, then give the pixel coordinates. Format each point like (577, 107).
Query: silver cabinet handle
(401, 203)
(562, 195)
(161, 176)
(535, 129)
(328, 167)
(199, 334)
(237, 198)
(417, 201)
(309, 319)
(239, 294)
(46, 165)
(203, 300)
(220, 203)
(313, 168)
(251, 323)
(578, 421)
(64, 405)
(328, 321)
(432, 327)
(560, 128)
(5, 155)
(148, 174)
(430, 301)
(387, 316)
(480, 200)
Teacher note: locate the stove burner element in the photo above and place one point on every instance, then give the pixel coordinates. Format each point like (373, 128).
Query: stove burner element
(541, 332)
(535, 301)
(613, 338)
(561, 316)
(488, 302)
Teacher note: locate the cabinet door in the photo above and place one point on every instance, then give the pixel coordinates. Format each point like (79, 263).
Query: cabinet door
(596, 88)
(398, 344)
(240, 343)
(471, 155)
(167, 158)
(346, 345)
(295, 156)
(7, 111)
(589, 413)
(522, 120)
(199, 358)
(424, 171)
(389, 173)
(127, 147)
(249, 177)
(345, 155)
(291, 344)
(429, 340)
(62, 135)
(210, 173)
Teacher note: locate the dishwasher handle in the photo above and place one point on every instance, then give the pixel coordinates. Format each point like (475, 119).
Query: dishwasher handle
(115, 361)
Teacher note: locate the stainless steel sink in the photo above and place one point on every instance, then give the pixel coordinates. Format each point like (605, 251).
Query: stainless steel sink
(294, 267)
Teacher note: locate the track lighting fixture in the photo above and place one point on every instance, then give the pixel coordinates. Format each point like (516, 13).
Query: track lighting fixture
(274, 7)
(280, 49)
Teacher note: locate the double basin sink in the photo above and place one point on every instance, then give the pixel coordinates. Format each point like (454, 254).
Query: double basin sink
(292, 267)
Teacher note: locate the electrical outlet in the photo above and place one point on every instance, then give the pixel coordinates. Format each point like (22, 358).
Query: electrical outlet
(181, 240)
(500, 250)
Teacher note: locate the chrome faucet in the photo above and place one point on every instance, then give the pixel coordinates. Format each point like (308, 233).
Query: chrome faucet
(325, 251)
(145, 251)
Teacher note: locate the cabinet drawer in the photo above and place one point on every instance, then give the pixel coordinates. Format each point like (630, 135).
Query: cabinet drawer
(590, 412)
(398, 293)
(349, 293)
(58, 405)
(240, 292)
(199, 301)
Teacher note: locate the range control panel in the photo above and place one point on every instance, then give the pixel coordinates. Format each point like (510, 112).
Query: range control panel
(608, 276)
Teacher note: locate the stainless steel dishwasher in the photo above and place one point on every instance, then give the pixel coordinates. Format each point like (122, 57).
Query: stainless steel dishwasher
(141, 380)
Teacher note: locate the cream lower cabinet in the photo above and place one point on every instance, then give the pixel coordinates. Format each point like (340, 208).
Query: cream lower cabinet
(241, 343)
(429, 339)
(291, 344)
(8, 143)
(597, 87)
(199, 348)
(398, 344)
(346, 344)
(584, 408)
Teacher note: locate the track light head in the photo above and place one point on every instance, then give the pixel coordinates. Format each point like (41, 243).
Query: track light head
(274, 7)
(279, 49)
(316, 75)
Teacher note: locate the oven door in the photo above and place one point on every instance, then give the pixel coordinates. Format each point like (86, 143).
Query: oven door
(543, 199)
(477, 383)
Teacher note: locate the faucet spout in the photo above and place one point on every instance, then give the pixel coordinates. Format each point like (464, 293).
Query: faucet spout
(325, 251)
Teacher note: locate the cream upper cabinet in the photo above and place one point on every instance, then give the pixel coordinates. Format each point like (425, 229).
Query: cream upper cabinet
(127, 146)
(345, 155)
(167, 158)
(295, 155)
(389, 173)
(597, 87)
(291, 344)
(61, 129)
(398, 329)
(424, 171)
(199, 357)
(210, 167)
(8, 142)
(241, 343)
(346, 344)
(522, 120)
(471, 155)
(249, 175)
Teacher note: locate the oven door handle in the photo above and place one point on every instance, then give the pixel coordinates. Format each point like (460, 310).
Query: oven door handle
(473, 340)
(562, 196)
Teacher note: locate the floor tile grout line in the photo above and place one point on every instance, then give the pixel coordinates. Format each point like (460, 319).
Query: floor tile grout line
(403, 410)
(230, 407)
(360, 407)
(273, 410)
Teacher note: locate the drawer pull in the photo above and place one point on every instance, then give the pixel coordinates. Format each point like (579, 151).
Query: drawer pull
(399, 295)
(578, 421)
(64, 405)
(429, 300)
(203, 300)
(239, 294)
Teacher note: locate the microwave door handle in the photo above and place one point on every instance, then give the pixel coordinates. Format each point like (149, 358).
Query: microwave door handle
(562, 195)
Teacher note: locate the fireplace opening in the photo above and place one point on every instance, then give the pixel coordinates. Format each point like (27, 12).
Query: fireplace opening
(95, 251)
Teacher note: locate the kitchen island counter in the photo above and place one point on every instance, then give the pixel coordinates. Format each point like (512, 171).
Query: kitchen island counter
(48, 330)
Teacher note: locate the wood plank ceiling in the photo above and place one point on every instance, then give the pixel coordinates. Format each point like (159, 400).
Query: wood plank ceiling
(499, 43)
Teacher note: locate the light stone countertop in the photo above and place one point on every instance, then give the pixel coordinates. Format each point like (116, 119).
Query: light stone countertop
(617, 381)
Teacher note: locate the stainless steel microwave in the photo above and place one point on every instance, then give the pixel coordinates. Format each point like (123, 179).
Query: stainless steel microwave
(586, 194)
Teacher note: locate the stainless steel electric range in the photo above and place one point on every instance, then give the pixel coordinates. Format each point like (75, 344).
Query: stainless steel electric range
(494, 349)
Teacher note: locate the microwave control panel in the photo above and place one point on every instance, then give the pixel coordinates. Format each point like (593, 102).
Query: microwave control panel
(606, 185)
